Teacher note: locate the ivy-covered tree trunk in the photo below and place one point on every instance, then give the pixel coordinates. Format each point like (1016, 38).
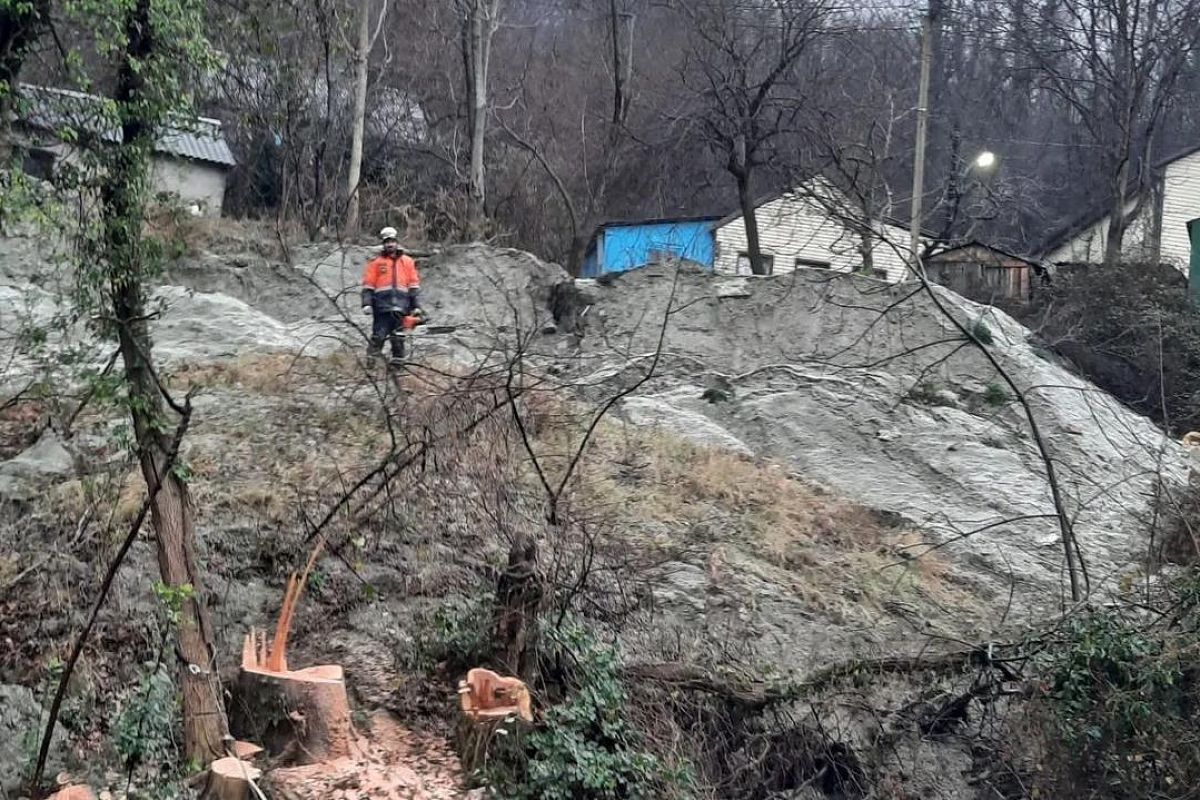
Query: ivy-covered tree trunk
(122, 208)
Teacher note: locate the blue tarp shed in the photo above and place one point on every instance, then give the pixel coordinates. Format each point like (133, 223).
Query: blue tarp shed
(625, 245)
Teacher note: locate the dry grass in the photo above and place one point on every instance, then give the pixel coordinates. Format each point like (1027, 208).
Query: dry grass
(224, 235)
(838, 550)
(269, 374)
(116, 498)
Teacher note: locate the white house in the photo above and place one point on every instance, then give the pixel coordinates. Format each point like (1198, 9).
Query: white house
(812, 226)
(1159, 232)
(191, 162)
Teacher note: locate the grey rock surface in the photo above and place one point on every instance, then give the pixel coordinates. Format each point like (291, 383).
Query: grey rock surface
(27, 474)
(824, 369)
(20, 729)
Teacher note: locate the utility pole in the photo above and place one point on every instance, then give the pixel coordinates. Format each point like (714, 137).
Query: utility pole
(922, 130)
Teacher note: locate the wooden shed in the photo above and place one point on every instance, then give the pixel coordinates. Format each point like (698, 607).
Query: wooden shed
(984, 273)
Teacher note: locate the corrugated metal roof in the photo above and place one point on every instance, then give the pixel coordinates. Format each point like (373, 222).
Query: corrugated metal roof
(52, 109)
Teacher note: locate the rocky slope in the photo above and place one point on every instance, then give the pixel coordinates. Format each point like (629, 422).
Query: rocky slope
(817, 469)
(872, 391)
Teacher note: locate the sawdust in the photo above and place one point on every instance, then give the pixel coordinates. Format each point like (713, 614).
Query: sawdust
(392, 763)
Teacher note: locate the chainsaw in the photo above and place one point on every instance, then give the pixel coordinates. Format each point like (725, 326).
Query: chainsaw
(418, 318)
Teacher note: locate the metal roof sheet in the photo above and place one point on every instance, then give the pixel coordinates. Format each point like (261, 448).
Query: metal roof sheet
(53, 109)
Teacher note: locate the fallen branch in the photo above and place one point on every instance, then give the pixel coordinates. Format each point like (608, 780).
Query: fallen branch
(757, 695)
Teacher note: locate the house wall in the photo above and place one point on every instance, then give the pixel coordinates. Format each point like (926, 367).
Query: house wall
(1087, 247)
(625, 247)
(1181, 205)
(193, 181)
(795, 226)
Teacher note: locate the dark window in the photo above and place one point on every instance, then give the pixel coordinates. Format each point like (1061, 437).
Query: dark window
(880, 273)
(812, 263)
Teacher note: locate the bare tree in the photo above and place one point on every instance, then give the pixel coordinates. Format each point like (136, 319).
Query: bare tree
(365, 42)
(1116, 64)
(480, 21)
(744, 74)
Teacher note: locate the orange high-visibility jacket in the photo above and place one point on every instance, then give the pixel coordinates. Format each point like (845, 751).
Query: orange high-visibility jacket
(388, 281)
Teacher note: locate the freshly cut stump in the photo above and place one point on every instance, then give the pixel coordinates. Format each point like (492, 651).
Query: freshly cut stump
(300, 716)
(303, 715)
(229, 779)
(497, 712)
(76, 792)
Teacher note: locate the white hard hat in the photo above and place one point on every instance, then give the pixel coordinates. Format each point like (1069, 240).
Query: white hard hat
(387, 233)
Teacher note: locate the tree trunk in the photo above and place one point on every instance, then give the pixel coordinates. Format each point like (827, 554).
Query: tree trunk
(758, 264)
(171, 516)
(621, 31)
(481, 28)
(1117, 222)
(518, 606)
(122, 211)
(867, 250)
(354, 175)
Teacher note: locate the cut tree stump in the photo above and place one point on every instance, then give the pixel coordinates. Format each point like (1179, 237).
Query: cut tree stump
(302, 716)
(496, 710)
(229, 779)
(299, 716)
(76, 792)
(484, 695)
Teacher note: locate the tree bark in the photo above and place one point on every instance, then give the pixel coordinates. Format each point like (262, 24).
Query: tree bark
(362, 55)
(519, 601)
(122, 210)
(867, 250)
(621, 30)
(480, 52)
(758, 264)
(1117, 221)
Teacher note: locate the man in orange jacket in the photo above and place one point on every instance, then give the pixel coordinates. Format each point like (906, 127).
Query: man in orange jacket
(391, 287)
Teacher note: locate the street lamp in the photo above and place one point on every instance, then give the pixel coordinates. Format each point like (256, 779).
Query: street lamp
(985, 160)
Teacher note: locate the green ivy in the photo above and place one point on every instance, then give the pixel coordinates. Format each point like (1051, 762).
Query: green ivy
(144, 733)
(457, 634)
(1122, 706)
(584, 748)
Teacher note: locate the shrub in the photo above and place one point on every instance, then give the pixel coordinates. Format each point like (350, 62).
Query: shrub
(1121, 694)
(927, 393)
(144, 733)
(1131, 329)
(981, 332)
(457, 634)
(584, 748)
(995, 395)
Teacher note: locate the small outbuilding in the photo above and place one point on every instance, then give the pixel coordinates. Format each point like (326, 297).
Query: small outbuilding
(984, 273)
(619, 246)
(191, 160)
